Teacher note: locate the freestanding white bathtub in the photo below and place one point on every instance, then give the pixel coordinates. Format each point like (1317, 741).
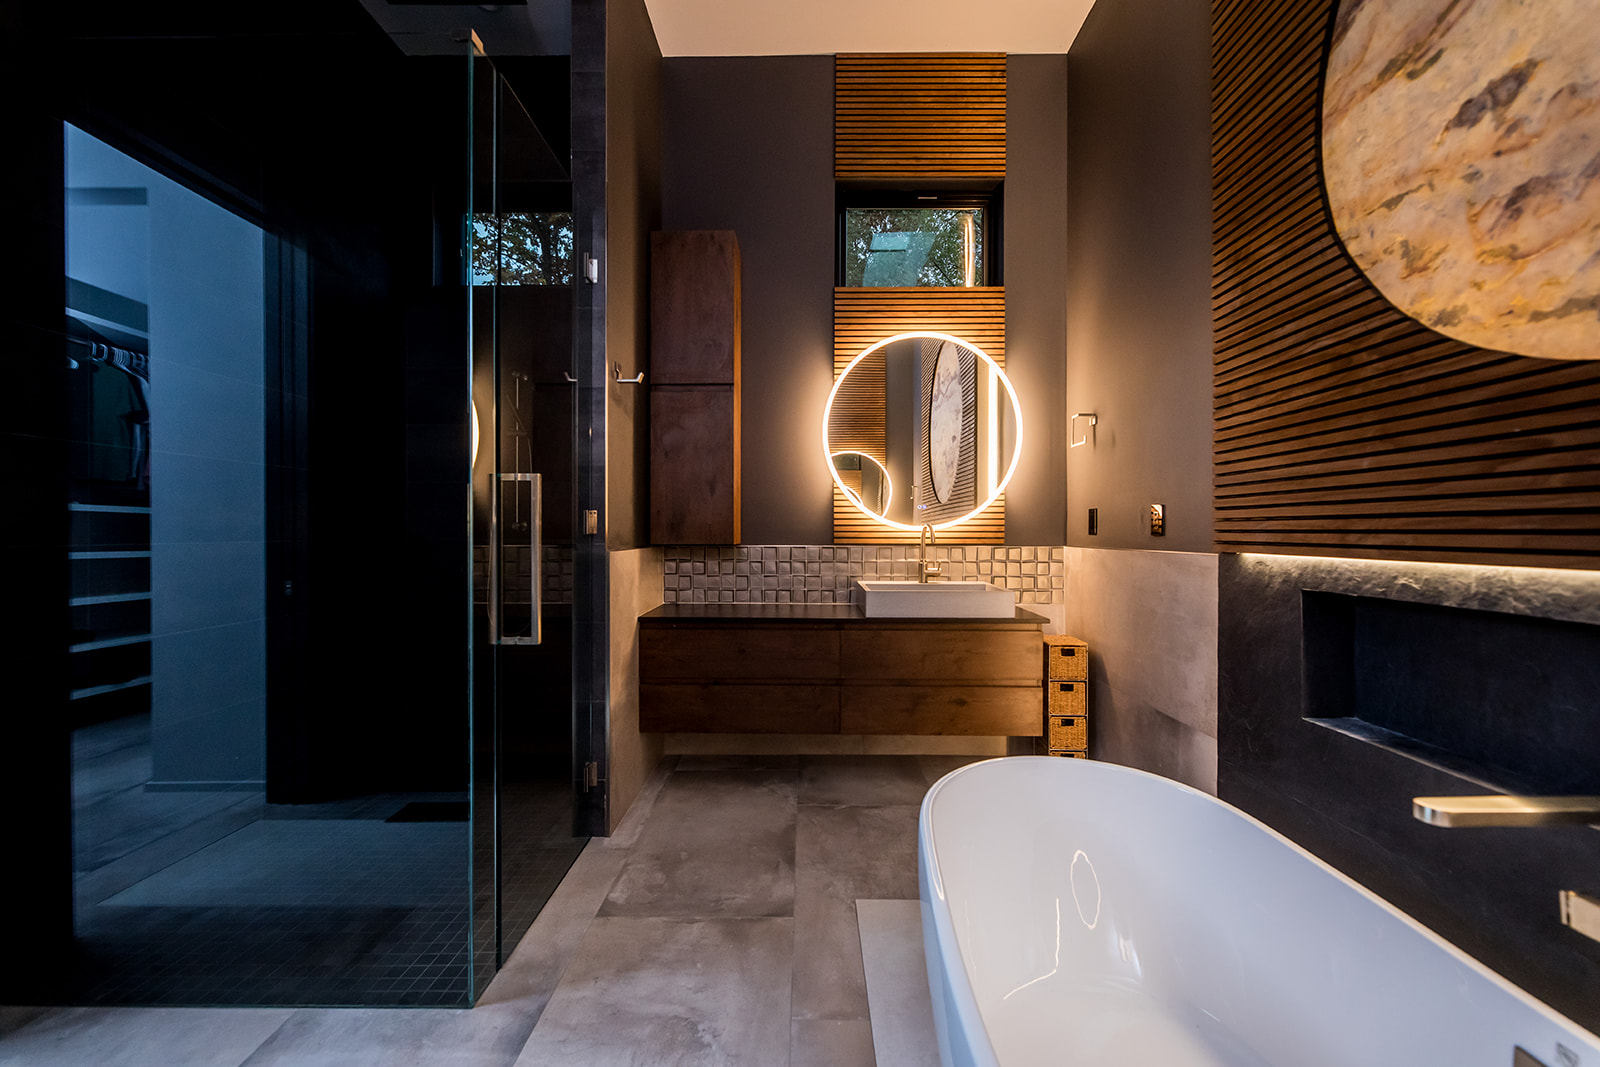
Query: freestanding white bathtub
(1084, 913)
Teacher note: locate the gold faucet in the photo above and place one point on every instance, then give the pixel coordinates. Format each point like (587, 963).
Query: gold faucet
(1455, 812)
(1578, 910)
(927, 568)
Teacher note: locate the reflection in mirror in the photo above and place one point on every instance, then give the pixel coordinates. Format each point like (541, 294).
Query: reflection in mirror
(866, 482)
(929, 413)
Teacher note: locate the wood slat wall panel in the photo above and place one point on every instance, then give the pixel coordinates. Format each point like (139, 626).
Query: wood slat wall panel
(862, 317)
(1341, 426)
(920, 117)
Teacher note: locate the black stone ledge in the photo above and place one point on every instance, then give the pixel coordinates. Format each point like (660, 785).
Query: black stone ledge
(826, 614)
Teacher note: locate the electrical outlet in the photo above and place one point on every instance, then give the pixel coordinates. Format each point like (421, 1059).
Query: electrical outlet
(1158, 520)
(1094, 521)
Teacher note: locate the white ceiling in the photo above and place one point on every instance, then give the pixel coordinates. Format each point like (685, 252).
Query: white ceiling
(826, 27)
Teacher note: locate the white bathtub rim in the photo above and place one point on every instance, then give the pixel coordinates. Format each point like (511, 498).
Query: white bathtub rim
(967, 1000)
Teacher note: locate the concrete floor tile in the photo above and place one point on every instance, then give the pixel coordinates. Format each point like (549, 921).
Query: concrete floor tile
(535, 967)
(141, 1037)
(855, 852)
(832, 1043)
(865, 780)
(842, 855)
(16, 1016)
(378, 1037)
(936, 767)
(897, 983)
(627, 832)
(716, 844)
(715, 762)
(665, 992)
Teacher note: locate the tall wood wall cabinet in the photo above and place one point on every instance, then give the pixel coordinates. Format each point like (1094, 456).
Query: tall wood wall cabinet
(694, 387)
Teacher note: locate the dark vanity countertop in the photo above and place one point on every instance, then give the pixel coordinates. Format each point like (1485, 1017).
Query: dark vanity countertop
(818, 613)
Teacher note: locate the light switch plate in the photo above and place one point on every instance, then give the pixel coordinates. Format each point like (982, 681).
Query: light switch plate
(1158, 520)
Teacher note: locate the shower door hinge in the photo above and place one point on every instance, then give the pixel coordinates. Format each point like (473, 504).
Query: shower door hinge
(591, 775)
(591, 521)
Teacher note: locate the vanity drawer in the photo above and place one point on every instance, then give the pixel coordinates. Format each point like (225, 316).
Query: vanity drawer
(941, 709)
(739, 709)
(955, 656)
(738, 654)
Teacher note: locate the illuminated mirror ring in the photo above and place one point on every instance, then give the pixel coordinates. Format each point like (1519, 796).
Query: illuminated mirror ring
(1000, 376)
(854, 497)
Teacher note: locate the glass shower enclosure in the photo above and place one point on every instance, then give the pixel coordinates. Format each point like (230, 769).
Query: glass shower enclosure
(521, 275)
(320, 520)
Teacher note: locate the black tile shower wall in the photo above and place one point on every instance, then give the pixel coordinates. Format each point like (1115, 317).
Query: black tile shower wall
(1416, 627)
(591, 573)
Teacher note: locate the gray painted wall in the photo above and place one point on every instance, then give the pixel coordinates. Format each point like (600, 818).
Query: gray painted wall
(633, 209)
(1139, 273)
(748, 146)
(1035, 249)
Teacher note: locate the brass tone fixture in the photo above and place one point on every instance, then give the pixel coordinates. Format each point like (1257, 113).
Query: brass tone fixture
(927, 568)
(1581, 912)
(1072, 435)
(1473, 811)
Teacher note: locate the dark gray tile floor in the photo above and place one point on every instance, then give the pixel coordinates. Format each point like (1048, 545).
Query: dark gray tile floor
(717, 926)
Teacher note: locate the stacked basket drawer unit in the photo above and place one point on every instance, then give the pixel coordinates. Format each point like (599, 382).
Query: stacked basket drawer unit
(1066, 696)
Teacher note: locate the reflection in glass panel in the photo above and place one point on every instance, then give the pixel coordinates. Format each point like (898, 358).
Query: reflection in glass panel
(193, 880)
(522, 248)
(911, 246)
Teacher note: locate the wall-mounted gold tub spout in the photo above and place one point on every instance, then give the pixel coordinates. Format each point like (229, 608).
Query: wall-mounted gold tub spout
(1458, 812)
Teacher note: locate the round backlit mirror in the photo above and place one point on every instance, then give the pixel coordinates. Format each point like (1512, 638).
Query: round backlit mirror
(922, 428)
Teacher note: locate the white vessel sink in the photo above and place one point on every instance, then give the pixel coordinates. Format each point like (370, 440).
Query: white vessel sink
(936, 600)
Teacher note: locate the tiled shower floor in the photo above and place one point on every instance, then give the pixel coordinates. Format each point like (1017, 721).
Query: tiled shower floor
(219, 898)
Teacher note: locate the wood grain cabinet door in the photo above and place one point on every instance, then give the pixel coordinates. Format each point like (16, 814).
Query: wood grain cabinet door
(942, 655)
(714, 654)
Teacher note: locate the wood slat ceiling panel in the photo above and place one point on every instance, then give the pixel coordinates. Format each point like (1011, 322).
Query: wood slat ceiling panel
(1341, 426)
(920, 117)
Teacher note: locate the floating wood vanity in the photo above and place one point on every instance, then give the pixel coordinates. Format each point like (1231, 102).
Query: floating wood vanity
(828, 669)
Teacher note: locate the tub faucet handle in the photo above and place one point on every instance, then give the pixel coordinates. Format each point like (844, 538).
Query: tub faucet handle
(1457, 812)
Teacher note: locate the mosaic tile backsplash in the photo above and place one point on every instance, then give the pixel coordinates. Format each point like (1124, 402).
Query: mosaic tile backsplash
(823, 574)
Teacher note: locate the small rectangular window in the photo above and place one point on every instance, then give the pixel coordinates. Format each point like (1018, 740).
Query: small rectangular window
(916, 239)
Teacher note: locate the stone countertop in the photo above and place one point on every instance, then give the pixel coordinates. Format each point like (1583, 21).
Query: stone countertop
(819, 613)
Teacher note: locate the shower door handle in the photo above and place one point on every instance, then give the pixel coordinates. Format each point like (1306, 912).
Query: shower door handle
(497, 612)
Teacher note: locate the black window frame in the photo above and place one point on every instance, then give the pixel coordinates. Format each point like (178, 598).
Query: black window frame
(990, 199)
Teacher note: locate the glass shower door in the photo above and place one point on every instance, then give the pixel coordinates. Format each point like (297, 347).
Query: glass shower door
(519, 237)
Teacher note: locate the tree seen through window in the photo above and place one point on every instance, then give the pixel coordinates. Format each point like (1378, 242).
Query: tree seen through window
(522, 248)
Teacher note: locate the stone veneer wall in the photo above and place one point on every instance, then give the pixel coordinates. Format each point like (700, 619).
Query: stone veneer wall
(823, 574)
